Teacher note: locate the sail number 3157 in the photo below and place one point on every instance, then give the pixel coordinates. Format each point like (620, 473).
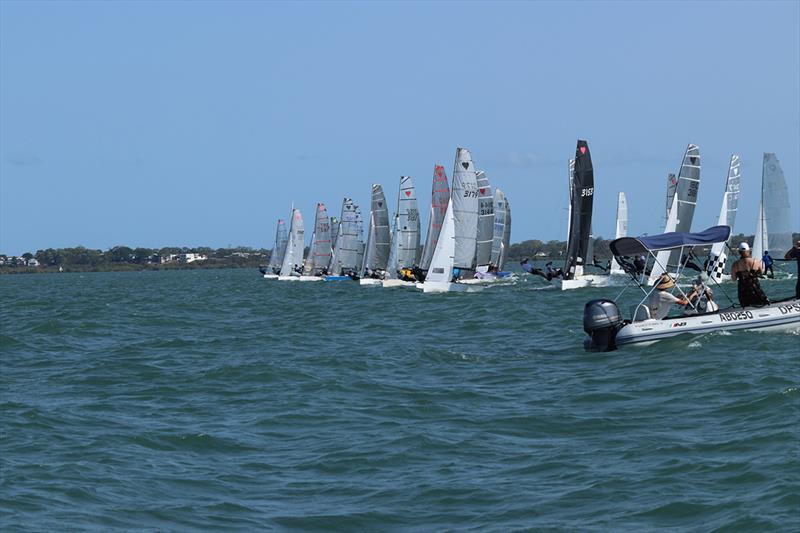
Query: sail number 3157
(589, 191)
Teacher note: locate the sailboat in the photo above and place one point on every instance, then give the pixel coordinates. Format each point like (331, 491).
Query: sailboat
(581, 194)
(454, 256)
(485, 236)
(319, 253)
(502, 230)
(440, 198)
(376, 254)
(621, 231)
(344, 255)
(279, 248)
(715, 267)
(404, 253)
(773, 229)
(293, 256)
(681, 211)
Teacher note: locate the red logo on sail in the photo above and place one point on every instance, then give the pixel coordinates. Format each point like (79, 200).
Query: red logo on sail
(483, 190)
(408, 193)
(583, 149)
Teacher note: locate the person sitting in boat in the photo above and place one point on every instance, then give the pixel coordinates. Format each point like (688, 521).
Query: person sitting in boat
(456, 274)
(767, 260)
(746, 272)
(298, 269)
(688, 262)
(639, 262)
(660, 301)
(527, 266)
(324, 271)
(553, 272)
(406, 274)
(596, 263)
(794, 253)
(419, 274)
(701, 299)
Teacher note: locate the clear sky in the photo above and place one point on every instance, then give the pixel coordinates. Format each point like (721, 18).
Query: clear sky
(199, 123)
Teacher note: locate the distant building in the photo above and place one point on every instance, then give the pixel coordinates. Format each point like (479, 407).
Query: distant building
(191, 258)
(33, 262)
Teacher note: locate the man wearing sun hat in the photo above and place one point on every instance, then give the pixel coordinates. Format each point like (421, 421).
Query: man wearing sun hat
(660, 301)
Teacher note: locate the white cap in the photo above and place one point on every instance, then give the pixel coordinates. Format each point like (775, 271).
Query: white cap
(744, 247)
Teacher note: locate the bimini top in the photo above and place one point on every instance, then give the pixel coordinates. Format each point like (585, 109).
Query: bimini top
(628, 246)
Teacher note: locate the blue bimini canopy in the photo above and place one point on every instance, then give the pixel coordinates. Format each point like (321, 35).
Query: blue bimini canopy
(628, 246)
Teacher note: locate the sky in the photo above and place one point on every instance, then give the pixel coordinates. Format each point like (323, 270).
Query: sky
(200, 123)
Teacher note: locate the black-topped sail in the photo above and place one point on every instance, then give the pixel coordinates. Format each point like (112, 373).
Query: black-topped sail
(580, 223)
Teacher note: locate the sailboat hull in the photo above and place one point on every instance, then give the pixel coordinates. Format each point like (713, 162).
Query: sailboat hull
(370, 282)
(775, 317)
(271, 276)
(443, 286)
(398, 283)
(580, 282)
(309, 278)
(288, 278)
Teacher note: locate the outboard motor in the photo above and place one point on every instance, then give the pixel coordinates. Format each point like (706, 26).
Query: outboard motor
(601, 321)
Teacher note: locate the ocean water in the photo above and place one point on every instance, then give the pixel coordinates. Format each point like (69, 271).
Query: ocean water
(215, 399)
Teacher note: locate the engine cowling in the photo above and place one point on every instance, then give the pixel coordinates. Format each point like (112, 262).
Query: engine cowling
(601, 321)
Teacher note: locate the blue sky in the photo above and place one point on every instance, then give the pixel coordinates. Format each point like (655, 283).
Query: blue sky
(199, 123)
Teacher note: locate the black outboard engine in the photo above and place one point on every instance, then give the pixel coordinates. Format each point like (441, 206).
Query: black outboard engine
(601, 321)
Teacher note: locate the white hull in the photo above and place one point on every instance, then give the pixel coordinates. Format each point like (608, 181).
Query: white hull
(271, 276)
(398, 283)
(370, 281)
(288, 278)
(443, 286)
(580, 282)
(309, 278)
(777, 316)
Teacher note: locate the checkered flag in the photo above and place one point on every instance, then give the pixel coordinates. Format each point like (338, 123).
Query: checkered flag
(716, 266)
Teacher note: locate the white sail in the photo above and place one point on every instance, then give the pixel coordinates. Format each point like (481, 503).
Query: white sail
(405, 238)
(622, 228)
(279, 248)
(376, 254)
(346, 248)
(506, 237)
(441, 268)
(499, 226)
(320, 250)
(293, 256)
(686, 193)
(777, 210)
(485, 234)
(727, 216)
(659, 267)
(464, 200)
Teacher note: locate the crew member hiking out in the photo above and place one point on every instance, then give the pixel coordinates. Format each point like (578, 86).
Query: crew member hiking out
(767, 260)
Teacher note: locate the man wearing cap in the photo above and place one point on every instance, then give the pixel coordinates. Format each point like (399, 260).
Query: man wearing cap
(794, 253)
(746, 272)
(660, 300)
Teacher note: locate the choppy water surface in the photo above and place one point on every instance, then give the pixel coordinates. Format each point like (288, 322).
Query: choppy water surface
(217, 399)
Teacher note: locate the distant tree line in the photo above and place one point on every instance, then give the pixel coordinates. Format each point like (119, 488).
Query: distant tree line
(81, 258)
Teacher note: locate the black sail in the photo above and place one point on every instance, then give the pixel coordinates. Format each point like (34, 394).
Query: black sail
(580, 223)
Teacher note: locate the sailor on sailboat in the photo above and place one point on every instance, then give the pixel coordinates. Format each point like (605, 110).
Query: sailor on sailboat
(602, 320)
(293, 257)
(404, 253)
(273, 268)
